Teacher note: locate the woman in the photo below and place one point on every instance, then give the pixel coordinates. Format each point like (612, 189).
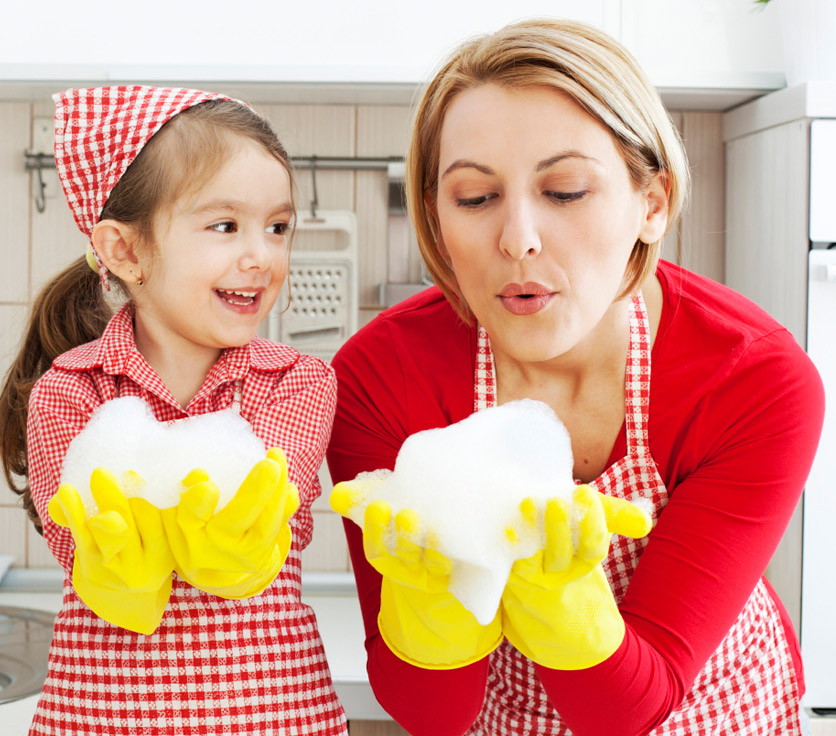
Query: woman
(542, 175)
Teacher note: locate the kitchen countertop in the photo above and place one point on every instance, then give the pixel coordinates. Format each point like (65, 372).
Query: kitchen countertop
(340, 625)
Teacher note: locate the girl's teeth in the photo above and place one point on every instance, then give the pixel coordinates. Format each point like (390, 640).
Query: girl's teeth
(243, 297)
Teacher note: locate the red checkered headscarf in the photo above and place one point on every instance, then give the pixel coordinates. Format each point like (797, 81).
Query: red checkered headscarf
(98, 134)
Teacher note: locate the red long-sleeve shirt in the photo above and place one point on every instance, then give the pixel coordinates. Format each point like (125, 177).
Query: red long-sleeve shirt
(736, 410)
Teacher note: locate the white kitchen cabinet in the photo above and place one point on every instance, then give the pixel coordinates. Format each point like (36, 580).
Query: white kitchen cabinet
(704, 55)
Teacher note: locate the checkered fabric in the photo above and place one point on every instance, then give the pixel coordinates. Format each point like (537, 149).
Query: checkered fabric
(214, 666)
(746, 688)
(98, 134)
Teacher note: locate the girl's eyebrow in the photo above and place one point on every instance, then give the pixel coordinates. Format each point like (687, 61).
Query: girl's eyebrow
(233, 205)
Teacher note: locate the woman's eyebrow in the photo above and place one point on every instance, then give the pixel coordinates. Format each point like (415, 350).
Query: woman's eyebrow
(552, 160)
(465, 164)
(541, 166)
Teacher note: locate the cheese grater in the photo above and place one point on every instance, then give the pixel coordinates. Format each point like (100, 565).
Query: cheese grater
(317, 309)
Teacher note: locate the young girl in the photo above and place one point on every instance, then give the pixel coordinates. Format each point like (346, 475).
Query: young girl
(187, 200)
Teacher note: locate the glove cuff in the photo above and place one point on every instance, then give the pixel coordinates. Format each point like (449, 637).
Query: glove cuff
(572, 627)
(138, 611)
(433, 630)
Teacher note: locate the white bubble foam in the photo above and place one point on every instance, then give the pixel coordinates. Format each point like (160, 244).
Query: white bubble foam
(466, 481)
(123, 435)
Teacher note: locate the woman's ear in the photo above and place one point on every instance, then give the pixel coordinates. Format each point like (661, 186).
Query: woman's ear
(656, 217)
(114, 243)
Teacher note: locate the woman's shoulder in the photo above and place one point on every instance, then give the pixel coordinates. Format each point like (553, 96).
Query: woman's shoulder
(712, 336)
(712, 317)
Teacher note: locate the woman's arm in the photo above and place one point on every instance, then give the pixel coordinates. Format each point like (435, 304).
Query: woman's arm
(371, 422)
(755, 436)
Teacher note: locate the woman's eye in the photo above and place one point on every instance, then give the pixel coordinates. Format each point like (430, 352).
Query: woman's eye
(278, 228)
(565, 197)
(474, 202)
(224, 227)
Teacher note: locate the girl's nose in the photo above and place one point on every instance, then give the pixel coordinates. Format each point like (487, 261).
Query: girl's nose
(257, 254)
(520, 236)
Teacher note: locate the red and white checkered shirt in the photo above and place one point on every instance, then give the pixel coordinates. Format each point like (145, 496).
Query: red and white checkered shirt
(252, 666)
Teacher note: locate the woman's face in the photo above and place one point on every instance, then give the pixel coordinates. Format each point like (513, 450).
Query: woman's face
(538, 217)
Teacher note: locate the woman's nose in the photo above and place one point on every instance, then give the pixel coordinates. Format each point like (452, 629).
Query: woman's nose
(520, 235)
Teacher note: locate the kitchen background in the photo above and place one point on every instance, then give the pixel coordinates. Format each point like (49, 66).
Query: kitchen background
(338, 84)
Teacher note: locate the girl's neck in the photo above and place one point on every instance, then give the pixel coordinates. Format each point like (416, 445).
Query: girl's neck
(182, 367)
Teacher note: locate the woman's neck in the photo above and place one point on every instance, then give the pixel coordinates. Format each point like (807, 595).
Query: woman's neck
(600, 356)
(585, 386)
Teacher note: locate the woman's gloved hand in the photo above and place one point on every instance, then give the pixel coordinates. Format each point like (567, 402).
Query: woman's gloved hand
(557, 608)
(420, 621)
(238, 551)
(122, 566)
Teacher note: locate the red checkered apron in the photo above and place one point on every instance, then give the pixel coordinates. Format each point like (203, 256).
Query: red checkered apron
(214, 666)
(748, 686)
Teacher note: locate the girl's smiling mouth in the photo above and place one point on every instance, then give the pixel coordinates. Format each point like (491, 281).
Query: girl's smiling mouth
(242, 300)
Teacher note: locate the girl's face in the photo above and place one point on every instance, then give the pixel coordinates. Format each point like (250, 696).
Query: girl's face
(538, 217)
(221, 258)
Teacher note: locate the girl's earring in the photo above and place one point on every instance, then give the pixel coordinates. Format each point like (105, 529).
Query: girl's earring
(139, 280)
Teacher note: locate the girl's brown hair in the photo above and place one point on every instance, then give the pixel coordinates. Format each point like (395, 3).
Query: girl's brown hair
(72, 309)
(574, 58)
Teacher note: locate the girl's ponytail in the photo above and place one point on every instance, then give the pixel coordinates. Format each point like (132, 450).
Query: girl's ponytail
(69, 311)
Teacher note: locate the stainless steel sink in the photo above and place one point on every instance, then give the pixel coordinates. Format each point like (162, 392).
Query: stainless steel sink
(25, 635)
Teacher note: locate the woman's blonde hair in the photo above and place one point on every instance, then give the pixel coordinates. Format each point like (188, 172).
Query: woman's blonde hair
(597, 73)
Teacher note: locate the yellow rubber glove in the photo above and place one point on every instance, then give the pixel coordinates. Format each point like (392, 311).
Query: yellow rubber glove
(420, 621)
(557, 608)
(238, 551)
(122, 565)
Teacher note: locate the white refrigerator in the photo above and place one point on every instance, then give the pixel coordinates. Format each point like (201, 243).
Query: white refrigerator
(781, 252)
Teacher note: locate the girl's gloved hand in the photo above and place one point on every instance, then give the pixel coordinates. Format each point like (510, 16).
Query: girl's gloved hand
(557, 608)
(122, 566)
(238, 551)
(420, 621)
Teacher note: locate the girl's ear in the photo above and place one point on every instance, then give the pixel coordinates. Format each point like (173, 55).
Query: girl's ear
(656, 218)
(114, 242)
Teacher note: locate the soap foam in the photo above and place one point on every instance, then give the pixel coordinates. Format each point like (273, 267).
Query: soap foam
(466, 482)
(123, 435)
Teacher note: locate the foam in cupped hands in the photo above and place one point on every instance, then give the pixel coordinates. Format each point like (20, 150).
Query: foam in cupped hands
(125, 437)
(466, 482)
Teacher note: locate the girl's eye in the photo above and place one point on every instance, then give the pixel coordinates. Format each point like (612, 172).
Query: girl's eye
(278, 228)
(224, 227)
(566, 197)
(474, 202)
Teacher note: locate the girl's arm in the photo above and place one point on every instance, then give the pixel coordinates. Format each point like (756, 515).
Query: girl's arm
(296, 415)
(372, 420)
(59, 408)
(756, 436)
